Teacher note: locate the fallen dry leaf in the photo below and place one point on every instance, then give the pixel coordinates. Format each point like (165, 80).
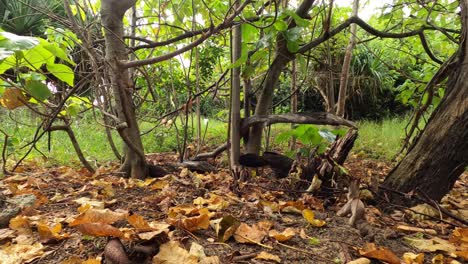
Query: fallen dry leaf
(430, 245)
(287, 234)
(214, 203)
(99, 229)
(47, 233)
(21, 253)
(225, 227)
(411, 258)
(104, 216)
(267, 256)
(360, 261)
(172, 253)
(292, 207)
(191, 223)
(87, 201)
(138, 222)
(309, 215)
(381, 253)
(247, 234)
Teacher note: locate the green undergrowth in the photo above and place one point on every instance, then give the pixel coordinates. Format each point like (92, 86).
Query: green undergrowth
(380, 140)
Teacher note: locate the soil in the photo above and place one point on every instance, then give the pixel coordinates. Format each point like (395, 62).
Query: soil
(336, 242)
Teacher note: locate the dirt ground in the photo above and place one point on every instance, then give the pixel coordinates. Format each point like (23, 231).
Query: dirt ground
(262, 199)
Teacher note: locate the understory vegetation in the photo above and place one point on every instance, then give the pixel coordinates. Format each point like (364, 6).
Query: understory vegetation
(380, 139)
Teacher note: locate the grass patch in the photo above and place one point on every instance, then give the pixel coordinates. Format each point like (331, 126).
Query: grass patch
(381, 140)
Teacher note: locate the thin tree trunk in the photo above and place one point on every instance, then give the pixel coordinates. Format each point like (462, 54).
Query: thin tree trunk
(440, 154)
(283, 57)
(292, 143)
(343, 91)
(112, 13)
(235, 101)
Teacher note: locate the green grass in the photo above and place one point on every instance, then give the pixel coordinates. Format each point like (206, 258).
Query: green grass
(380, 140)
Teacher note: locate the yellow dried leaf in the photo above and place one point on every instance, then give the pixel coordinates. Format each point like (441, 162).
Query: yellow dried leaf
(138, 222)
(247, 234)
(99, 229)
(411, 258)
(267, 256)
(21, 253)
(104, 216)
(287, 234)
(47, 234)
(87, 202)
(12, 98)
(172, 253)
(380, 253)
(308, 214)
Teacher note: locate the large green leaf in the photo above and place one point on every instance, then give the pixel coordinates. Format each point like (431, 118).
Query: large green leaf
(36, 57)
(57, 51)
(38, 89)
(62, 72)
(4, 53)
(14, 42)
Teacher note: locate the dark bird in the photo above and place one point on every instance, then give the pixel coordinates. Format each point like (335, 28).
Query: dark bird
(279, 164)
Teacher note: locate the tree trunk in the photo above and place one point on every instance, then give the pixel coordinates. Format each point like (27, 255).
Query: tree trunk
(440, 155)
(236, 44)
(283, 57)
(112, 13)
(344, 77)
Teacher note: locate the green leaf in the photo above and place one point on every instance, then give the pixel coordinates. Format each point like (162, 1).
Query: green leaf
(299, 20)
(38, 89)
(293, 46)
(35, 58)
(4, 53)
(58, 52)
(14, 42)
(73, 109)
(280, 25)
(62, 72)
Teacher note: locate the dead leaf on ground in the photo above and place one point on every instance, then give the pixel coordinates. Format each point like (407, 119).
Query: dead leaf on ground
(430, 245)
(138, 222)
(104, 216)
(47, 234)
(172, 253)
(21, 253)
(225, 227)
(99, 229)
(250, 234)
(309, 215)
(214, 203)
(191, 223)
(292, 207)
(92, 203)
(267, 256)
(412, 258)
(287, 234)
(360, 261)
(370, 250)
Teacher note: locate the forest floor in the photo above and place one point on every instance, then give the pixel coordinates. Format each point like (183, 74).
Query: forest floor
(71, 216)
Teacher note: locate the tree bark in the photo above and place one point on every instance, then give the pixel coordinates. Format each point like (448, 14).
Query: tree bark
(440, 154)
(112, 13)
(235, 101)
(344, 77)
(283, 57)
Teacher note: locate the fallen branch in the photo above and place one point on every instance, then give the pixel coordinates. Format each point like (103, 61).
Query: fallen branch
(318, 118)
